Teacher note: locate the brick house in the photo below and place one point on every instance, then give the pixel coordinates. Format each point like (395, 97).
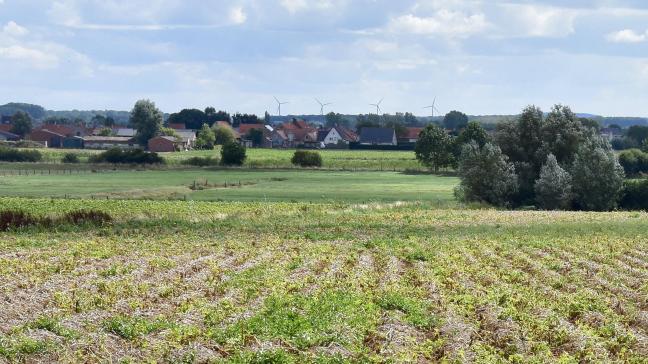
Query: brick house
(164, 144)
(48, 138)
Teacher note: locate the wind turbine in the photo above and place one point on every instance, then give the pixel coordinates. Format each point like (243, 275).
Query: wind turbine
(432, 107)
(377, 105)
(322, 105)
(279, 103)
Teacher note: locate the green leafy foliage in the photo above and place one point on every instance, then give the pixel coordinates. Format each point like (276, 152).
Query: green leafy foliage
(635, 195)
(17, 155)
(306, 158)
(205, 138)
(434, 148)
(634, 162)
(486, 175)
(455, 120)
(119, 156)
(553, 188)
(233, 154)
(71, 158)
(147, 120)
(21, 123)
(597, 176)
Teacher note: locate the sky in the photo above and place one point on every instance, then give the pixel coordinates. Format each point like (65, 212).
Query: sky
(480, 57)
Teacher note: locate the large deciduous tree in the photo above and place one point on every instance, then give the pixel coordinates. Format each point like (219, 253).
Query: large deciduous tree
(147, 120)
(554, 187)
(486, 175)
(434, 148)
(21, 123)
(597, 176)
(205, 139)
(455, 120)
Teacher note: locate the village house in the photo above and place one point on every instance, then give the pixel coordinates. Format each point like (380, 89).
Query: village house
(266, 130)
(47, 138)
(295, 134)
(410, 137)
(611, 133)
(187, 138)
(378, 136)
(336, 136)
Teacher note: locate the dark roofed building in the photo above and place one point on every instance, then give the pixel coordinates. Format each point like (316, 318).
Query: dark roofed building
(378, 136)
(8, 136)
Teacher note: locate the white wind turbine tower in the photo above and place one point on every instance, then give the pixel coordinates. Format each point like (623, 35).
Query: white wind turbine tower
(279, 103)
(377, 105)
(322, 105)
(432, 107)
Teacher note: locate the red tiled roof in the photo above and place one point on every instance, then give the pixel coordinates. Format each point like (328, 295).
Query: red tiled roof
(6, 127)
(412, 133)
(245, 128)
(295, 124)
(58, 129)
(177, 125)
(347, 134)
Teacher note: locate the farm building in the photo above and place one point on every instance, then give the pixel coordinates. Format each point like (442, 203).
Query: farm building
(165, 144)
(48, 138)
(65, 130)
(102, 142)
(378, 136)
(73, 142)
(8, 136)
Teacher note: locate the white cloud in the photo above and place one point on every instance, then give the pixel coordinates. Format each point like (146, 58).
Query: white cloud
(444, 22)
(294, 6)
(14, 30)
(540, 21)
(64, 13)
(34, 57)
(237, 15)
(627, 36)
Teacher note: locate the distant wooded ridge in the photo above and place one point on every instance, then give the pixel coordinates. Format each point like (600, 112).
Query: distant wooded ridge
(39, 113)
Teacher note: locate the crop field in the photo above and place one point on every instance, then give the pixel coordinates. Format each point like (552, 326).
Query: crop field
(280, 158)
(241, 282)
(233, 184)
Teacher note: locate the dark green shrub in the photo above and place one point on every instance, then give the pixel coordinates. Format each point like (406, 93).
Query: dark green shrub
(635, 195)
(233, 154)
(17, 155)
(305, 158)
(118, 156)
(93, 217)
(634, 161)
(70, 158)
(11, 219)
(201, 161)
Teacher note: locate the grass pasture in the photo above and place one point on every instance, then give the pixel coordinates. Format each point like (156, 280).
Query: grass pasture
(246, 282)
(280, 158)
(234, 184)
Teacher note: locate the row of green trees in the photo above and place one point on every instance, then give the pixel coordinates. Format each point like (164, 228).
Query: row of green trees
(554, 162)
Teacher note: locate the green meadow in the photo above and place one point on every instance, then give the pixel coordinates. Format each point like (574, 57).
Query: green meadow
(234, 185)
